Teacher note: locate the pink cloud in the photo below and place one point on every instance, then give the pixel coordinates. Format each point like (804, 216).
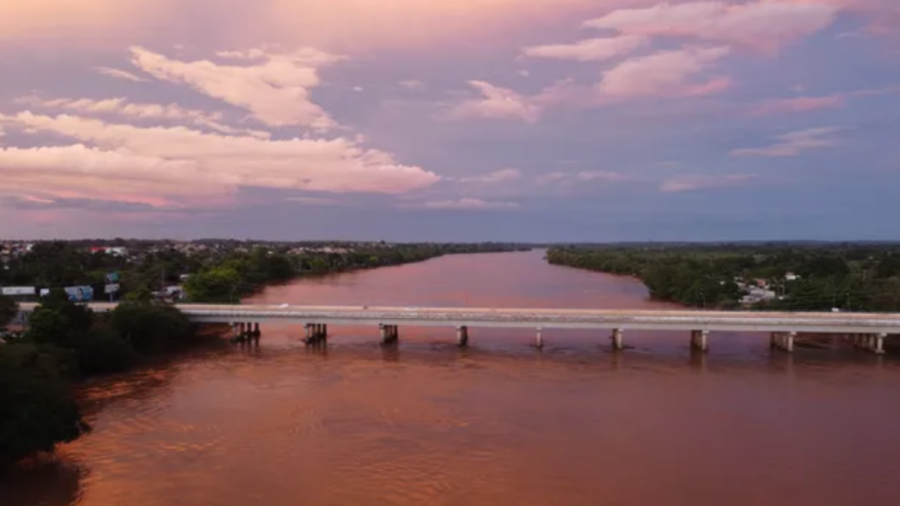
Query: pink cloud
(883, 15)
(495, 177)
(495, 103)
(588, 50)
(276, 90)
(696, 182)
(79, 172)
(665, 73)
(761, 24)
(200, 162)
(794, 143)
(799, 104)
(412, 84)
(121, 107)
(469, 204)
(569, 178)
(121, 74)
(805, 104)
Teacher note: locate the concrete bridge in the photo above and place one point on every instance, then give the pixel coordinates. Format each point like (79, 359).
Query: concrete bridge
(866, 331)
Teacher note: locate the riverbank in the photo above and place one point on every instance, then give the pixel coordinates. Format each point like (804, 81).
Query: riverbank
(241, 274)
(222, 270)
(845, 277)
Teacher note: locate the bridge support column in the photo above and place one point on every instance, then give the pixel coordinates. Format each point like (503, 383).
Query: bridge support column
(618, 339)
(256, 331)
(389, 333)
(242, 331)
(539, 339)
(870, 342)
(315, 333)
(462, 335)
(699, 340)
(783, 341)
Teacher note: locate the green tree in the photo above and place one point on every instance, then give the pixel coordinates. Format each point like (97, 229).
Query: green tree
(218, 284)
(38, 409)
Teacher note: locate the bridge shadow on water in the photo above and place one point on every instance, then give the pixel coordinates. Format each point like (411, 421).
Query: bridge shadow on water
(577, 350)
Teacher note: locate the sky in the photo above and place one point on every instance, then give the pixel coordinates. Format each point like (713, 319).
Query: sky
(450, 120)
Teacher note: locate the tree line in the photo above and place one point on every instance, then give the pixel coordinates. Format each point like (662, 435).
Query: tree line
(850, 277)
(223, 273)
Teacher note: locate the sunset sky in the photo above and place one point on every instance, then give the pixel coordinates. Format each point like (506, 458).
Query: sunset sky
(459, 120)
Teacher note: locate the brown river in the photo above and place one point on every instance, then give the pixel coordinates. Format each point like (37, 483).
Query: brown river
(498, 423)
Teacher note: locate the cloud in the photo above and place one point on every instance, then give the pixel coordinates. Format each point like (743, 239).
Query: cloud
(412, 84)
(495, 103)
(764, 24)
(588, 50)
(276, 90)
(469, 204)
(560, 177)
(665, 73)
(661, 74)
(696, 182)
(804, 104)
(121, 74)
(496, 177)
(798, 104)
(121, 107)
(315, 201)
(245, 54)
(80, 172)
(794, 143)
(336, 165)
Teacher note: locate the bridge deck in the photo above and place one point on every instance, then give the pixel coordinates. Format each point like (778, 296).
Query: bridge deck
(543, 318)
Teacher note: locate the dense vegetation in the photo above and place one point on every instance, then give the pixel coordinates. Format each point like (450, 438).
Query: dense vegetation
(851, 277)
(65, 342)
(219, 271)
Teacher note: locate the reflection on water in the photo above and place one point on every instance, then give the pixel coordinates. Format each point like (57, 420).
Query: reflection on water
(426, 422)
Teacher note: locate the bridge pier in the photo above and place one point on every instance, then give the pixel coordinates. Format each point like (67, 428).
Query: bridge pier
(699, 340)
(870, 342)
(539, 339)
(256, 332)
(389, 333)
(782, 341)
(618, 339)
(315, 333)
(462, 335)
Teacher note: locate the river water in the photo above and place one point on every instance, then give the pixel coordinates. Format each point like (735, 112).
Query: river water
(499, 423)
